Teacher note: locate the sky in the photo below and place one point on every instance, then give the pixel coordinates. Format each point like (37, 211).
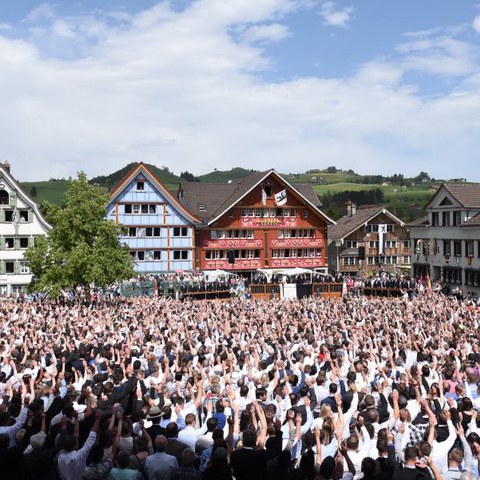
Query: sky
(376, 86)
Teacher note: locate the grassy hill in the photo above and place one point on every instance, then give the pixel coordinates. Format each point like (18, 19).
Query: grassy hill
(219, 176)
(405, 197)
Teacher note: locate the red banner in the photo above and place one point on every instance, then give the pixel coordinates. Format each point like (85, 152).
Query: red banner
(297, 242)
(236, 243)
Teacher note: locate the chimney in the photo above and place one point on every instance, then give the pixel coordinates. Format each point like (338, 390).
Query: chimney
(6, 166)
(351, 208)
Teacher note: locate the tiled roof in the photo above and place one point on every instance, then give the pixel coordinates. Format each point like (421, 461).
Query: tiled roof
(474, 221)
(209, 200)
(468, 194)
(422, 221)
(347, 224)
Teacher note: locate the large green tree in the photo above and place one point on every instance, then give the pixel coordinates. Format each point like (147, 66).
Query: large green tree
(82, 247)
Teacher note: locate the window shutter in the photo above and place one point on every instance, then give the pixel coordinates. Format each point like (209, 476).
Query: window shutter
(2, 216)
(2, 243)
(31, 241)
(16, 243)
(30, 216)
(13, 198)
(2, 268)
(16, 267)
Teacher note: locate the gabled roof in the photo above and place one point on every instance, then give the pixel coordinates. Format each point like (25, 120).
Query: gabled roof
(149, 175)
(20, 193)
(466, 194)
(211, 201)
(348, 224)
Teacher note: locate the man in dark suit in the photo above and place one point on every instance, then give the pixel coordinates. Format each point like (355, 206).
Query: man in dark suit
(249, 463)
(411, 469)
(174, 446)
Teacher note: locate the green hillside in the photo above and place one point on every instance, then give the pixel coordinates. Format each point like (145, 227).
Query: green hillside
(219, 176)
(109, 181)
(52, 191)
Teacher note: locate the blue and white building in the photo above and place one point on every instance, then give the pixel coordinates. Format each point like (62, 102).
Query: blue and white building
(159, 231)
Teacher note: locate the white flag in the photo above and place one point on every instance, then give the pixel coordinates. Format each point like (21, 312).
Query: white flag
(281, 197)
(382, 230)
(264, 197)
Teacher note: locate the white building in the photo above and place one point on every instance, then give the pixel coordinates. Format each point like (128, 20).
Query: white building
(20, 222)
(446, 242)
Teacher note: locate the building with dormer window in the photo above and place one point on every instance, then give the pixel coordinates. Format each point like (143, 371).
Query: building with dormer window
(257, 222)
(20, 223)
(158, 230)
(446, 242)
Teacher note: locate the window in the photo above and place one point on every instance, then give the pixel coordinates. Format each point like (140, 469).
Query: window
(293, 212)
(435, 219)
(457, 248)
(23, 216)
(457, 218)
(390, 244)
(372, 260)
(24, 268)
(470, 245)
(351, 244)
(305, 213)
(243, 212)
(140, 186)
(374, 244)
(180, 232)
(446, 219)
(128, 209)
(286, 212)
(258, 212)
(273, 213)
(9, 267)
(268, 190)
(371, 228)
(152, 232)
(4, 198)
(141, 255)
(9, 215)
(407, 260)
(447, 248)
(274, 253)
(221, 234)
(406, 244)
(136, 209)
(157, 255)
(390, 228)
(180, 254)
(228, 233)
(251, 212)
(318, 252)
(23, 242)
(213, 234)
(9, 243)
(249, 233)
(349, 261)
(230, 213)
(132, 232)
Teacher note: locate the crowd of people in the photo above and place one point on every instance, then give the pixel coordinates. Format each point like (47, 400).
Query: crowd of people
(148, 388)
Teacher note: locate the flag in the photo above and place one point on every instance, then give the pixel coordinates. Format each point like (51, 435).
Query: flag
(382, 230)
(281, 198)
(264, 197)
(429, 282)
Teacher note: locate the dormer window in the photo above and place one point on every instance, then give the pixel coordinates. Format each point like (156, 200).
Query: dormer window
(140, 186)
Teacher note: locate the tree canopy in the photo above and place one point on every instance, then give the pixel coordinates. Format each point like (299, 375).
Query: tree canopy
(83, 247)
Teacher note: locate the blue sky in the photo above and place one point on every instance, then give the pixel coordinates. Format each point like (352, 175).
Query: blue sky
(373, 85)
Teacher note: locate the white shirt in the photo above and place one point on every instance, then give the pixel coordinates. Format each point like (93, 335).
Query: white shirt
(72, 464)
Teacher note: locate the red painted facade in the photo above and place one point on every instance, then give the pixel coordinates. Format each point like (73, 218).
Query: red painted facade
(265, 235)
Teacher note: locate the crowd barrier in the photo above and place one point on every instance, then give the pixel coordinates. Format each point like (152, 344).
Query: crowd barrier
(385, 292)
(262, 291)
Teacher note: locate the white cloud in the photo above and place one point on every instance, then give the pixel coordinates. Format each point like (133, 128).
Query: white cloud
(476, 24)
(41, 12)
(266, 33)
(178, 89)
(334, 15)
(5, 26)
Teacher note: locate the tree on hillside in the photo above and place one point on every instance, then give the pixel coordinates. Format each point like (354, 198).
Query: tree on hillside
(82, 247)
(33, 191)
